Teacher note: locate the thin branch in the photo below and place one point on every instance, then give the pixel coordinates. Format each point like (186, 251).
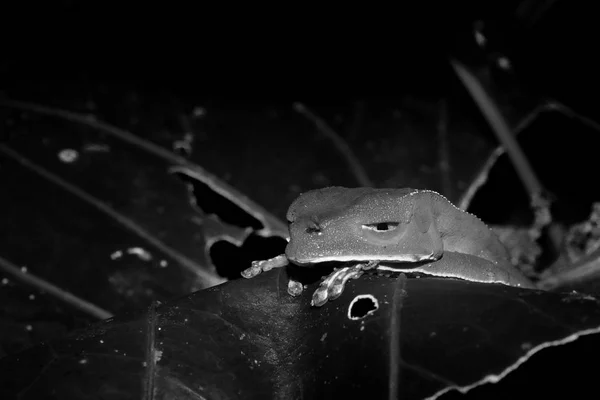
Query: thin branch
(45, 286)
(500, 128)
(272, 225)
(539, 201)
(443, 151)
(481, 177)
(340, 144)
(208, 278)
(585, 269)
(530, 12)
(556, 106)
(359, 116)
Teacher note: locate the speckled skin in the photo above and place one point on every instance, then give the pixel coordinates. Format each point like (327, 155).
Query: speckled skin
(340, 224)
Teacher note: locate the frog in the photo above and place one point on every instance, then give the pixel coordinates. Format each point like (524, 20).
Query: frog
(394, 230)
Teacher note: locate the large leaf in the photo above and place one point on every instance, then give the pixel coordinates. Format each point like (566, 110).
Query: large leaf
(97, 221)
(385, 337)
(115, 219)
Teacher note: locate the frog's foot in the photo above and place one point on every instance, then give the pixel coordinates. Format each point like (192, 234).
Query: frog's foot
(332, 287)
(265, 265)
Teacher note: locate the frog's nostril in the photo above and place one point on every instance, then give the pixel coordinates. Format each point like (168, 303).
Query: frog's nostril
(313, 229)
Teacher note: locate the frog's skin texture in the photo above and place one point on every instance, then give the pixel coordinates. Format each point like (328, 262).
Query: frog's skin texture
(388, 229)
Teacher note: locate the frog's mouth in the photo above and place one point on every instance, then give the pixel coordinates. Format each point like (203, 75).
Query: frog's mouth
(396, 259)
(384, 266)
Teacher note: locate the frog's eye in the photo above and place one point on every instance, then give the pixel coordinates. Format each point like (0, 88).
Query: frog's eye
(382, 226)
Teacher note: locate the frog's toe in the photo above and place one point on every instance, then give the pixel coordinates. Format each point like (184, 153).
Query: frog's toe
(333, 285)
(251, 272)
(265, 265)
(338, 285)
(295, 288)
(367, 266)
(335, 291)
(320, 297)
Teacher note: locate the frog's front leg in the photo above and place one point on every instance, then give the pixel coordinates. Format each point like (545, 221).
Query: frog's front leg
(265, 265)
(333, 285)
(295, 288)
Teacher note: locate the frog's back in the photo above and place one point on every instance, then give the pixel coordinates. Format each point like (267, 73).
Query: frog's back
(464, 232)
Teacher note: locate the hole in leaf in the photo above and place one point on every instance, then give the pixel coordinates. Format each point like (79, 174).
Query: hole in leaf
(210, 202)
(362, 306)
(230, 260)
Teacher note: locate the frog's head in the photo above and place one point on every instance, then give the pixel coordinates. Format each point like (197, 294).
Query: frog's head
(361, 224)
